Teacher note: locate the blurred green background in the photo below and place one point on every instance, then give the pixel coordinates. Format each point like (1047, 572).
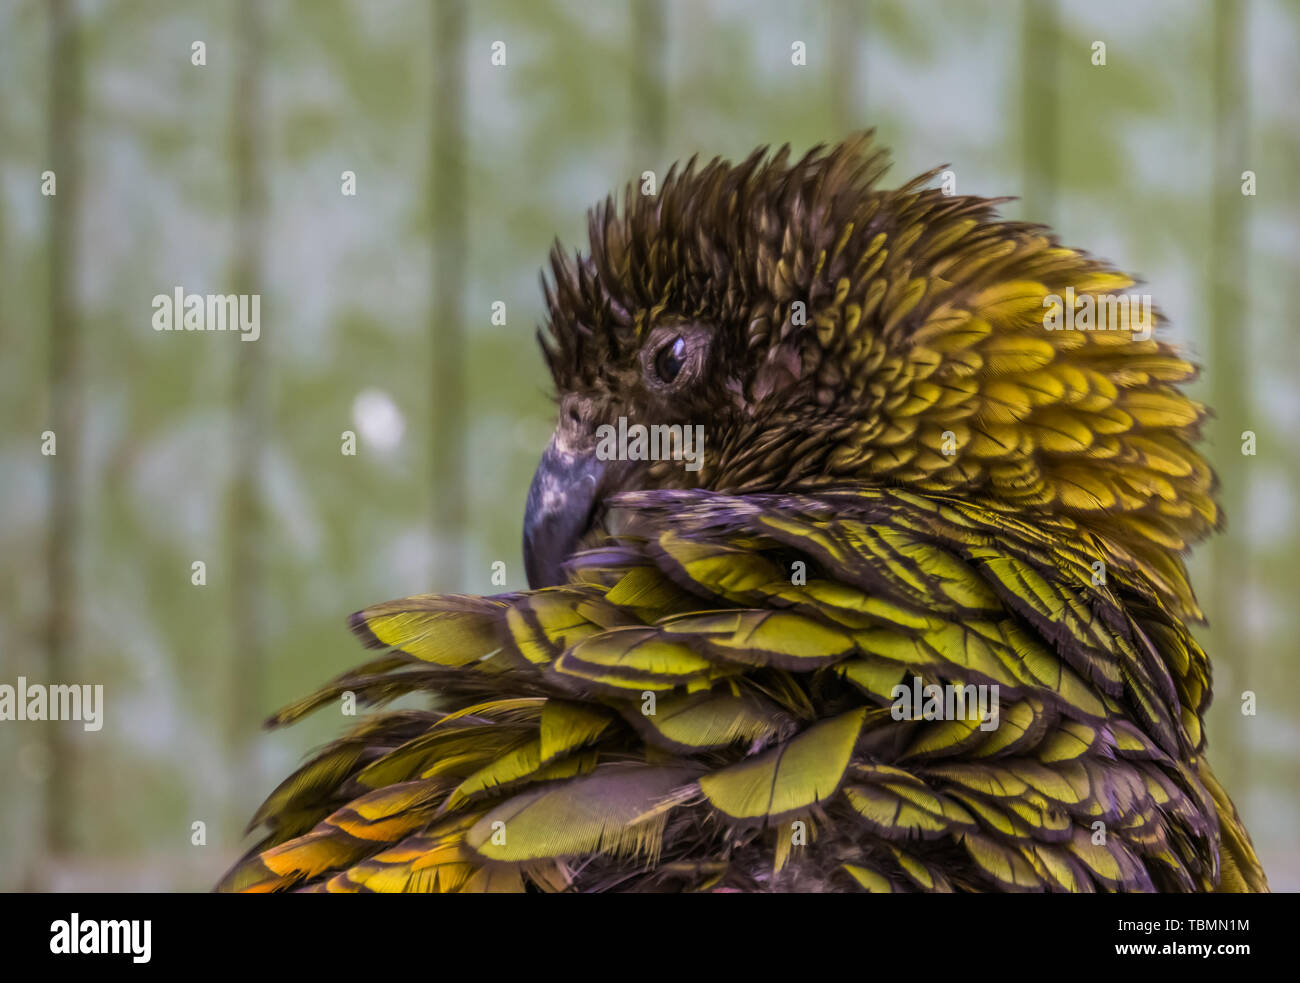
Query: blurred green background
(376, 317)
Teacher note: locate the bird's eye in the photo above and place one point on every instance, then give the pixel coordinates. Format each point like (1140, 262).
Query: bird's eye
(671, 358)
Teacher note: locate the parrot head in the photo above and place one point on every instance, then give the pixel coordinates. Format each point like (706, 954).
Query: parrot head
(823, 332)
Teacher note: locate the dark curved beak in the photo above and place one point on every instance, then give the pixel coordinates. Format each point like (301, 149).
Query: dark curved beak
(561, 506)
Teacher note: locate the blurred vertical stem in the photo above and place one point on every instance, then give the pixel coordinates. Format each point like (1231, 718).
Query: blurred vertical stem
(1040, 102)
(649, 42)
(1227, 353)
(246, 521)
(65, 411)
(446, 331)
(846, 22)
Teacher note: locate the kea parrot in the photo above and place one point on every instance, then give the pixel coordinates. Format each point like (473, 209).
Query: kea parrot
(911, 481)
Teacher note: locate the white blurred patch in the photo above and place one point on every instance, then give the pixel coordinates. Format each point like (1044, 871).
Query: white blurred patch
(378, 420)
